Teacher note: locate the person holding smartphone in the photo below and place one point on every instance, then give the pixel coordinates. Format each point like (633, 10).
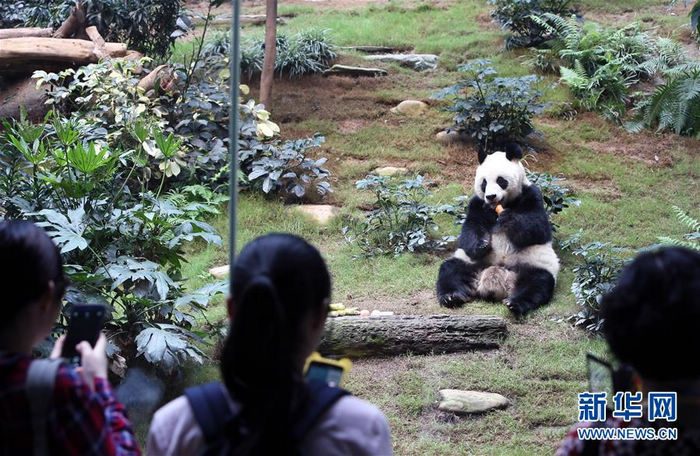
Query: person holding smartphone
(280, 299)
(652, 325)
(83, 416)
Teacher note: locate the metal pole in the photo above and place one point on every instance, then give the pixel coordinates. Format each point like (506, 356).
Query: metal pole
(235, 61)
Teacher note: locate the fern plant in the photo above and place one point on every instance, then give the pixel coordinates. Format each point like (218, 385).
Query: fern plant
(692, 239)
(600, 65)
(674, 105)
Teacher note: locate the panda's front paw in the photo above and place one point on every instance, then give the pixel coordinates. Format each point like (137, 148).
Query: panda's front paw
(517, 306)
(505, 216)
(480, 248)
(453, 300)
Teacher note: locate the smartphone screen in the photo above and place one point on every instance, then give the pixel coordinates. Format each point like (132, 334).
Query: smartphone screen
(600, 376)
(325, 372)
(85, 324)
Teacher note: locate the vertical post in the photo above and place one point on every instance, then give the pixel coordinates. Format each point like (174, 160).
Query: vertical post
(268, 69)
(235, 68)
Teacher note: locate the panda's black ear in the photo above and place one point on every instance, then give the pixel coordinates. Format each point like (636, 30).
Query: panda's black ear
(514, 151)
(482, 154)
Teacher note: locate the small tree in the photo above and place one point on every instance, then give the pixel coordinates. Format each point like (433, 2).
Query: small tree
(268, 70)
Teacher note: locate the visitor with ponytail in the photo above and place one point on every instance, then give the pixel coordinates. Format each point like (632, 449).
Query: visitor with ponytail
(280, 299)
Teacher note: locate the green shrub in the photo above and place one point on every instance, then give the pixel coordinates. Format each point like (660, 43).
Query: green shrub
(674, 105)
(490, 109)
(595, 276)
(121, 237)
(600, 65)
(306, 52)
(515, 15)
(401, 221)
(108, 98)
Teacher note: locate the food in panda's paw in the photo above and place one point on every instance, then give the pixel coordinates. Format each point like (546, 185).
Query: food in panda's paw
(498, 209)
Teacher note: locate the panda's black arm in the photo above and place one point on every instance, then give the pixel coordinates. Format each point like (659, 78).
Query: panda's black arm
(475, 238)
(525, 221)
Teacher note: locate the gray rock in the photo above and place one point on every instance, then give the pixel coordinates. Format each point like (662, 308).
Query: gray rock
(410, 107)
(460, 402)
(418, 62)
(449, 137)
(390, 171)
(319, 213)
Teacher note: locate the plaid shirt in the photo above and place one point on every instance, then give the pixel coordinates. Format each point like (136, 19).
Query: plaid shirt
(80, 422)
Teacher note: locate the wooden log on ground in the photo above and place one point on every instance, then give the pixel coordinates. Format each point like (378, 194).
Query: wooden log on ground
(419, 334)
(377, 49)
(29, 54)
(163, 75)
(25, 94)
(74, 24)
(24, 32)
(346, 70)
(100, 43)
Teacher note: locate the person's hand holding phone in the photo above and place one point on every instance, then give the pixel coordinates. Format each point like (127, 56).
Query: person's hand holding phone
(93, 360)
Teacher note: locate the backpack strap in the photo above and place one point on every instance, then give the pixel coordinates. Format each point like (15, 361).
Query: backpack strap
(212, 409)
(39, 386)
(323, 397)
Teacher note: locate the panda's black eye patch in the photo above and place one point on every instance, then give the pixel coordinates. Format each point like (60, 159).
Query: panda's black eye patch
(483, 185)
(502, 182)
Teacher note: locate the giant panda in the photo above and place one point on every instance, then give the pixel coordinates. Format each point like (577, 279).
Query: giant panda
(507, 257)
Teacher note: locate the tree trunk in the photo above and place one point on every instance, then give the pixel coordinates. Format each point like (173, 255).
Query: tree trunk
(268, 69)
(25, 32)
(29, 54)
(420, 334)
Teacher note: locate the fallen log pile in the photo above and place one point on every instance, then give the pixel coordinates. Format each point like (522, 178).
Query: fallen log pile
(25, 50)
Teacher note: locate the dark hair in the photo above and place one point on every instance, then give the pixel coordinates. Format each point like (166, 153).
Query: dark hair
(652, 316)
(278, 280)
(28, 261)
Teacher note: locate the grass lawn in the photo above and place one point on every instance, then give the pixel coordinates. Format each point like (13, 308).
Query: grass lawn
(626, 184)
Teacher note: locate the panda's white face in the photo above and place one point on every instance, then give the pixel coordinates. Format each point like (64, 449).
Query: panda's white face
(499, 180)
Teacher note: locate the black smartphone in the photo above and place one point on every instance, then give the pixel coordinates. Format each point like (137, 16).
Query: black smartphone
(85, 323)
(601, 376)
(328, 373)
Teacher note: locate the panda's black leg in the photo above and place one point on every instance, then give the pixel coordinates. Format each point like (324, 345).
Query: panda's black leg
(455, 284)
(534, 288)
